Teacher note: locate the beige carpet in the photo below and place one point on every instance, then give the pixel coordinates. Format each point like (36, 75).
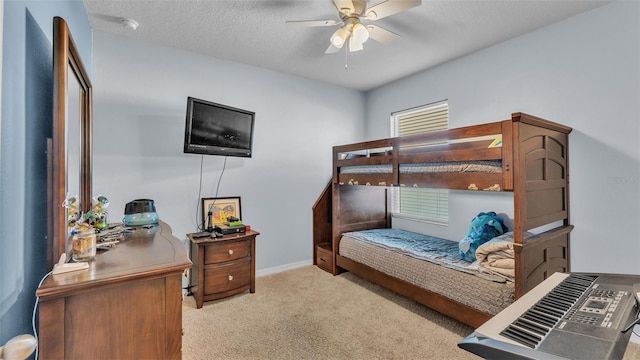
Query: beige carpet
(307, 313)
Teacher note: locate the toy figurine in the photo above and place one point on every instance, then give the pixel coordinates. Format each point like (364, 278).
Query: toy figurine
(73, 215)
(99, 216)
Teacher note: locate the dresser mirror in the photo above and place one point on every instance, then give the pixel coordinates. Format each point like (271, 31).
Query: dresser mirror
(71, 145)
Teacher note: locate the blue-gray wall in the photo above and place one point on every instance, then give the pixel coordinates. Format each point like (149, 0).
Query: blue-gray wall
(572, 72)
(26, 124)
(140, 99)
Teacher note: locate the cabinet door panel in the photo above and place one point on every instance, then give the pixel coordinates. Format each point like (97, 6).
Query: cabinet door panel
(131, 318)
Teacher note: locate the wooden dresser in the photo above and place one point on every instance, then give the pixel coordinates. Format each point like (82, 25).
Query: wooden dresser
(222, 266)
(127, 305)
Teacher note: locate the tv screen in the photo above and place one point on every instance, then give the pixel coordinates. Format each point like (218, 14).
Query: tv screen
(214, 129)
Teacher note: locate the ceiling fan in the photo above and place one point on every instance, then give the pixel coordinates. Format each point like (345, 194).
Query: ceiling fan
(351, 29)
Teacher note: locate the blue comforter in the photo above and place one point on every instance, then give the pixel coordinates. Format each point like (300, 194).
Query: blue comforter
(436, 250)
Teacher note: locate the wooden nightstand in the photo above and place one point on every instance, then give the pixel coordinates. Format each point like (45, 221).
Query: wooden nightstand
(222, 266)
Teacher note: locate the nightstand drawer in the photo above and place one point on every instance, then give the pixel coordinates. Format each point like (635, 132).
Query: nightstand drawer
(324, 258)
(227, 277)
(226, 251)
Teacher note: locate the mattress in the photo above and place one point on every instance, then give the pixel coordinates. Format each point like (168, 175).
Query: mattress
(486, 166)
(462, 285)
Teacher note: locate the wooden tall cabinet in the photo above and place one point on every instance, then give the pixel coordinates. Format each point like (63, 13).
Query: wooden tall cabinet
(127, 305)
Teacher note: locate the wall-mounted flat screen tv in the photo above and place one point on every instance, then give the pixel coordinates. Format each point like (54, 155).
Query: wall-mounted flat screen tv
(215, 129)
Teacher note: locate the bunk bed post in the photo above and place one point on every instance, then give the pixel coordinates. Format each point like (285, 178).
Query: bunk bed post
(395, 172)
(519, 198)
(507, 155)
(335, 213)
(335, 229)
(335, 179)
(567, 219)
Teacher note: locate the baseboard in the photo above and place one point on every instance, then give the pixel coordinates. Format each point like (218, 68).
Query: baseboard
(281, 268)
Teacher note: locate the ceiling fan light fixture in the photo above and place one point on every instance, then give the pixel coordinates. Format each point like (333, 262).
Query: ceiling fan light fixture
(339, 37)
(360, 33)
(354, 44)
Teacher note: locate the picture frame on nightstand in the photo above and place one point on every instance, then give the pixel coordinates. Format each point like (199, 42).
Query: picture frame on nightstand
(221, 209)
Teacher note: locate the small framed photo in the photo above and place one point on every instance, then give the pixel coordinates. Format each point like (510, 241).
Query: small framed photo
(221, 209)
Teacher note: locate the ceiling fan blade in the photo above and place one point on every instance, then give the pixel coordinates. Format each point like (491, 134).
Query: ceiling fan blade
(314, 22)
(390, 7)
(381, 35)
(331, 49)
(344, 6)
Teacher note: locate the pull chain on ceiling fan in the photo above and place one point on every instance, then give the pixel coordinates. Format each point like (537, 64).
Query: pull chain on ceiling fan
(352, 30)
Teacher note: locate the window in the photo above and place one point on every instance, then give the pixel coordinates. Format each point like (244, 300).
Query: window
(421, 204)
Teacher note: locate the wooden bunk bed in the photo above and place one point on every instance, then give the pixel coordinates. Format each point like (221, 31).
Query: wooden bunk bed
(533, 164)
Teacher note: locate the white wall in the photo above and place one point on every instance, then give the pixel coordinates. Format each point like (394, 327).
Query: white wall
(140, 97)
(583, 72)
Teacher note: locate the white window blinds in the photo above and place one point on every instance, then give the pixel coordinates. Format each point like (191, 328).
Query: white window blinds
(421, 204)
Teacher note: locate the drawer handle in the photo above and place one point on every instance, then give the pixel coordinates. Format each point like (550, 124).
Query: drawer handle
(323, 260)
(230, 277)
(230, 252)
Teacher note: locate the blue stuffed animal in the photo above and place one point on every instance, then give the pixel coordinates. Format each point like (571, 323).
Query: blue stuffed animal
(483, 228)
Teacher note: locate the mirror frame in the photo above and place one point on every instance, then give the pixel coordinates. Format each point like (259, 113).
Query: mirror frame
(66, 56)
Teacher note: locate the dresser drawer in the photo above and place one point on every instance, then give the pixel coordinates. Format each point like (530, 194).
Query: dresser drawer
(226, 251)
(324, 258)
(221, 278)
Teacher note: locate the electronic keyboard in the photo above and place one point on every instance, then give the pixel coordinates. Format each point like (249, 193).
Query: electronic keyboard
(567, 316)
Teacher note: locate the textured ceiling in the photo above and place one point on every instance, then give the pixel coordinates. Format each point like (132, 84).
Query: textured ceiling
(254, 32)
